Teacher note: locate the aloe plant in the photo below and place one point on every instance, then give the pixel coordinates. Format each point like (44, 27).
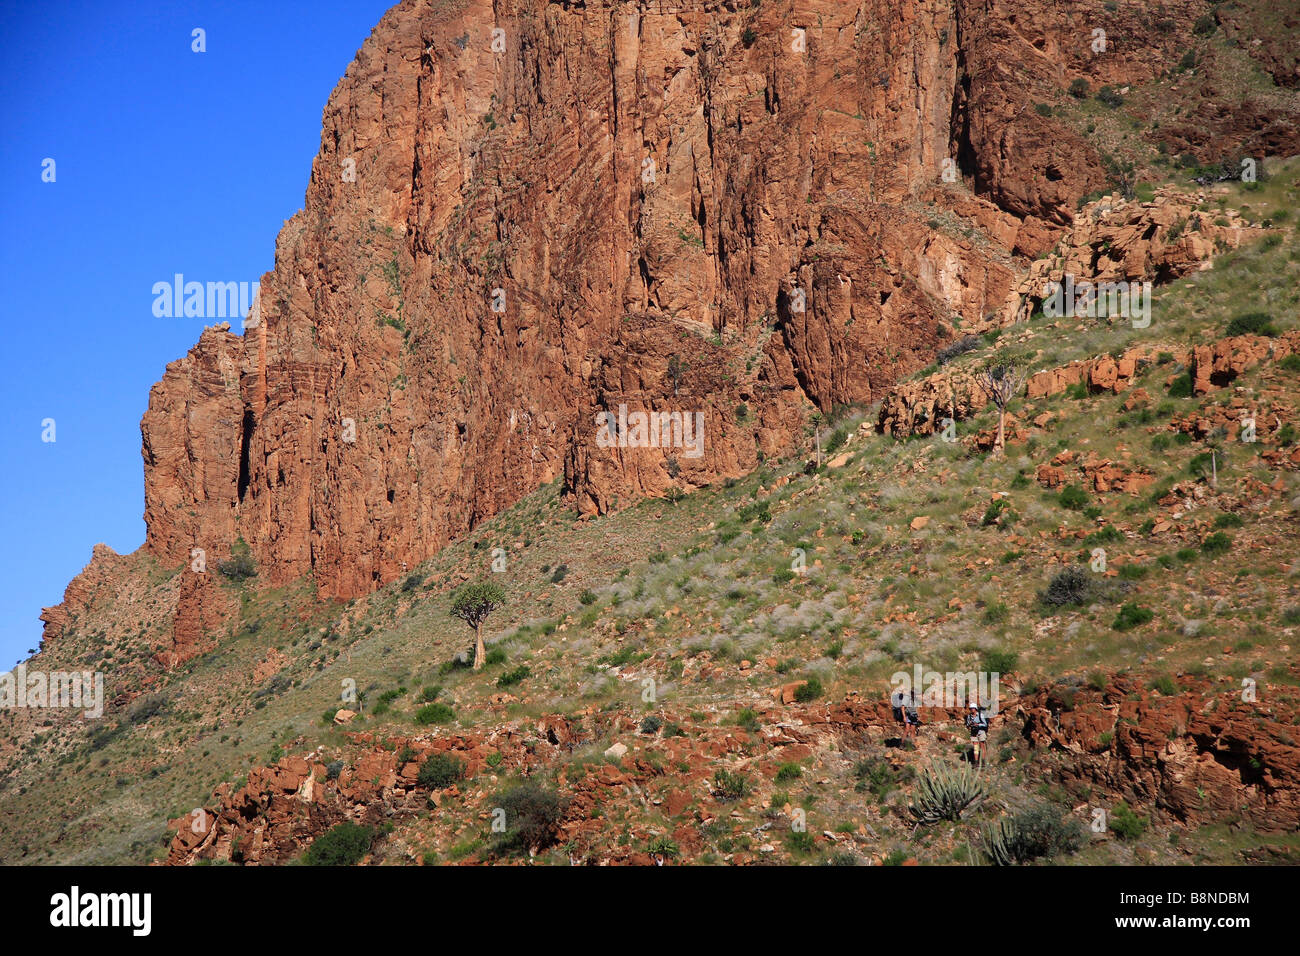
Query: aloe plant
(944, 794)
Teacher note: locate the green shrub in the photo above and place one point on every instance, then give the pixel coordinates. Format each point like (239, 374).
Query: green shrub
(730, 785)
(1108, 97)
(1073, 497)
(587, 597)
(1291, 363)
(788, 771)
(495, 655)
(343, 844)
(440, 771)
(1000, 661)
(1228, 520)
(1218, 543)
(996, 613)
(800, 842)
(1130, 616)
(809, 690)
(560, 574)
(1165, 684)
(1126, 824)
(430, 694)
(514, 676)
(1079, 88)
(434, 713)
(1041, 832)
(532, 818)
(651, 724)
(1181, 387)
(1252, 323)
(241, 565)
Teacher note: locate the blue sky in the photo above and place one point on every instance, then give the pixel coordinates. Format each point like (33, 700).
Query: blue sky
(166, 161)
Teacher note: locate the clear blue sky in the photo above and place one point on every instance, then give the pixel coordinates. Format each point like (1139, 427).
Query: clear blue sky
(167, 161)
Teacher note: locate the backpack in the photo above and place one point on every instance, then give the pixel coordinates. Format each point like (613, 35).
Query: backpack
(896, 702)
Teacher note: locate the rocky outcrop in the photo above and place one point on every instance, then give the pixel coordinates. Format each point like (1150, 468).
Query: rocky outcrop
(1118, 240)
(1198, 756)
(920, 407)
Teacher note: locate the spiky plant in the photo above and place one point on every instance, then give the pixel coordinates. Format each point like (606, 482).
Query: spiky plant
(997, 840)
(944, 794)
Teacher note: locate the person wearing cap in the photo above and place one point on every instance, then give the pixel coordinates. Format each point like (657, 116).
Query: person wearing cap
(978, 725)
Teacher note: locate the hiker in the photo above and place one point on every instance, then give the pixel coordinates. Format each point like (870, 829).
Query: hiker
(897, 700)
(912, 715)
(977, 722)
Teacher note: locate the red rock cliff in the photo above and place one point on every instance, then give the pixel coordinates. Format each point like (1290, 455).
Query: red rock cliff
(601, 204)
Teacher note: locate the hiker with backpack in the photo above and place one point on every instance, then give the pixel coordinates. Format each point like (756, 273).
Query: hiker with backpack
(911, 715)
(977, 722)
(897, 703)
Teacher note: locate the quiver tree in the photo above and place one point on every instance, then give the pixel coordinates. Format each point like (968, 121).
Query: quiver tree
(472, 603)
(1001, 383)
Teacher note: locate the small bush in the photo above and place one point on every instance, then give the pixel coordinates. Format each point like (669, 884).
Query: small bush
(532, 816)
(1079, 88)
(560, 574)
(1218, 543)
(1126, 824)
(1072, 586)
(958, 347)
(587, 597)
(788, 771)
(1073, 497)
(1041, 832)
(1181, 387)
(434, 713)
(809, 690)
(1130, 616)
(343, 844)
(729, 785)
(1165, 684)
(514, 676)
(651, 724)
(440, 771)
(241, 565)
(1000, 662)
(1252, 323)
(1107, 96)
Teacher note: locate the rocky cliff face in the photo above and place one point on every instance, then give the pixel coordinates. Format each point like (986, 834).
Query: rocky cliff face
(526, 214)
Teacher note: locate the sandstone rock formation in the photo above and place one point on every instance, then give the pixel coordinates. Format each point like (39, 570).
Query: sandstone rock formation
(1119, 240)
(525, 215)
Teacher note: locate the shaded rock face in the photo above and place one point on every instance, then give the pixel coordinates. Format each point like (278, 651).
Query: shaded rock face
(1195, 756)
(721, 213)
